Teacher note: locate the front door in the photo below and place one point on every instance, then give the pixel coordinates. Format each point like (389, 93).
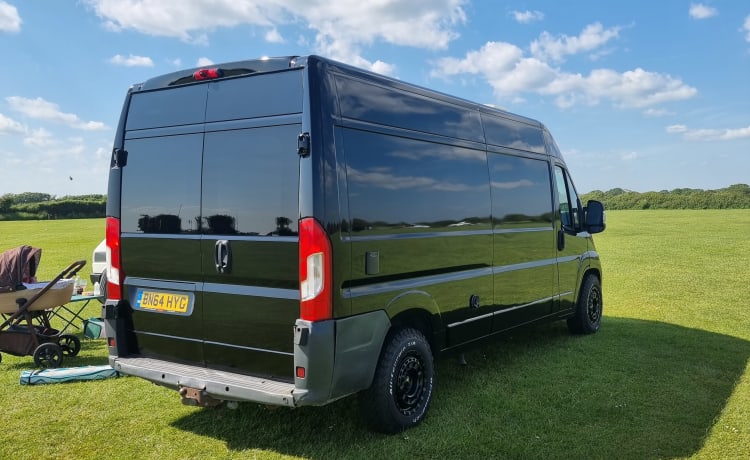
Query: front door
(524, 253)
(572, 244)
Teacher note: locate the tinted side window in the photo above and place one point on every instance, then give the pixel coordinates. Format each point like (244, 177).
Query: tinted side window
(170, 107)
(368, 102)
(160, 184)
(256, 96)
(503, 132)
(521, 191)
(569, 207)
(410, 185)
(250, 181)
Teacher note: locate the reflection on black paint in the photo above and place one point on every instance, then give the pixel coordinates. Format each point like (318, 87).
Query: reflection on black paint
(163, 223)
(282, 227)
(250, 179)
(521, 192)
(508, 133)
(401, 183)
(373, 103)
(160, 180)
(221, 224)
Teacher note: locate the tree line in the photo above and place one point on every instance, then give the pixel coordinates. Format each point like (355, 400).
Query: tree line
(733, 197)
(39, 206)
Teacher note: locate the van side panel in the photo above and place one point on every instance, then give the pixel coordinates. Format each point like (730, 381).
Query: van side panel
(419, 205)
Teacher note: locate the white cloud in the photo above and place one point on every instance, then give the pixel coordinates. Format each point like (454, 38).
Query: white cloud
(655, 113)
(131, 61)
(40, 109)
(8, 125)
(593, 36)
(701, 11)
(341, 28)
(203, 62)
(703, 134)
(746, 28)
(676, 129)
(91, 126)
(10, 21)
(39, 138)
(526, 17)
(630, 156)
(273, 36)
(510, 73)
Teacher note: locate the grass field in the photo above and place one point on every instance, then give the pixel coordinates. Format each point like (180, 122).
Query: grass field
(666, 377)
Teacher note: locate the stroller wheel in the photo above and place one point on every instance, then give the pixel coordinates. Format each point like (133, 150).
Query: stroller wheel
(70, 345)
(48, 355)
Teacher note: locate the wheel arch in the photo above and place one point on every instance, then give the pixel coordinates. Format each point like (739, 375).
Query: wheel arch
(418, 310)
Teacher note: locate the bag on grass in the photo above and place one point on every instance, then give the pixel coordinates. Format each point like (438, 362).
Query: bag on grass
(67, 374)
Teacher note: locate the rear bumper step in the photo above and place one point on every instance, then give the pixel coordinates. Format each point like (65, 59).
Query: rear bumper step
(221, 385)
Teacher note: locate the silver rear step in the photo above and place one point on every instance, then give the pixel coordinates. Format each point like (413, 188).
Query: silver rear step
(226, 386)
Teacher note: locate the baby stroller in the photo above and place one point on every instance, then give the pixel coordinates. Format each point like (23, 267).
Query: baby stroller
(26, 305)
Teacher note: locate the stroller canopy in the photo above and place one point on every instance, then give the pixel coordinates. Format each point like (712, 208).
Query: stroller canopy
(18, 266)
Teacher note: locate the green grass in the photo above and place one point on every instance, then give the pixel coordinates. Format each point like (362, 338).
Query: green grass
(666, 377)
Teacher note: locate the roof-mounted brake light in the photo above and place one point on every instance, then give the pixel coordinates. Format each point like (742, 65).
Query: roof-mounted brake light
(207, 74)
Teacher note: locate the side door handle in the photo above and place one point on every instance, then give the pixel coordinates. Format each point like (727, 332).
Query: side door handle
(223, 256)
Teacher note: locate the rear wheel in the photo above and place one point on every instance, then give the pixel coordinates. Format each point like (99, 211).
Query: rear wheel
(70, 345)
(588, 315)
(401, 390)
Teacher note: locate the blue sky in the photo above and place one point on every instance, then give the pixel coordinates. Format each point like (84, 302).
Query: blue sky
(642, 95)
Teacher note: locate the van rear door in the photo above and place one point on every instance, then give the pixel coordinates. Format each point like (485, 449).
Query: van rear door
(249, 219)
(160, 238)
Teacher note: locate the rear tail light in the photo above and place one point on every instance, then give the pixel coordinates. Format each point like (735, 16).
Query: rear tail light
(114, 267)
(314, 271)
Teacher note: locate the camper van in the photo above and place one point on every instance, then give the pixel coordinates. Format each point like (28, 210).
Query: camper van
(292, 231)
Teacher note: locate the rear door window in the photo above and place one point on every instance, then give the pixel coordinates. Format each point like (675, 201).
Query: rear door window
(250, 181)
(159, 184)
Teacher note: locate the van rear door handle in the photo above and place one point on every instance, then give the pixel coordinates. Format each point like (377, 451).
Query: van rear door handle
(223, 256)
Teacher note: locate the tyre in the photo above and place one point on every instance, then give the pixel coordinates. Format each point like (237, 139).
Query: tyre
(48, 355)
(401, 389)
(588, 315)
(70, 345)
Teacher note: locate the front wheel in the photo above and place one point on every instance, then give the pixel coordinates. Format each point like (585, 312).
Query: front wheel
(48, 355)
(588, 315)
(401, 390)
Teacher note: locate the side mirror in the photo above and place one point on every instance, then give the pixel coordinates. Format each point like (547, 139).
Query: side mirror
(595, 217)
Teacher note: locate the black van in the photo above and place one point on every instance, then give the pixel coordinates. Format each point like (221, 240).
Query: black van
(291, 231)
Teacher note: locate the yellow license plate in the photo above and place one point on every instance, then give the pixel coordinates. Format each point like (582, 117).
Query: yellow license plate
(168, 302)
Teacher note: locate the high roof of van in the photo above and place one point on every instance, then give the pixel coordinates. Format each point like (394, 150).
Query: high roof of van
(281, 63)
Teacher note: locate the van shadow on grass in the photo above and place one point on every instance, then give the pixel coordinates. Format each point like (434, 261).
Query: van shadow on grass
(637, 389)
